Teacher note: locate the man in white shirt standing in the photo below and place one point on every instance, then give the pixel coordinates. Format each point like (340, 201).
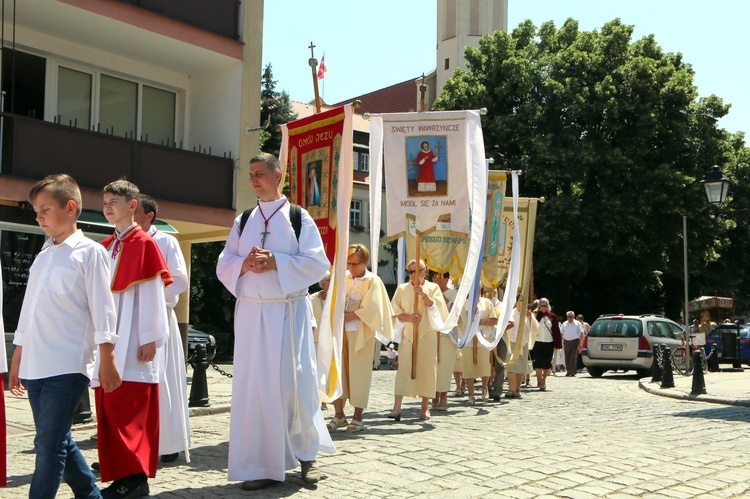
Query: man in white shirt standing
(174, 416)
(572, 331)
(68, 310)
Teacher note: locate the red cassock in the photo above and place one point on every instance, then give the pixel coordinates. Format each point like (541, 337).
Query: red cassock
(128, 418)
(426, 168)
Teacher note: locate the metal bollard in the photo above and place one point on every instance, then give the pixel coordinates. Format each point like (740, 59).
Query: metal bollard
(667, 378)
(83, 412)
(656, 368)
(199, 384)
(713, 360)
(699, 382)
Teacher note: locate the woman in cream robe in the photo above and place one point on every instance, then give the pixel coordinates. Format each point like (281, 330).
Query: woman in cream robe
(518, 366)
(367, 319)
(476, 358)
(429, 296)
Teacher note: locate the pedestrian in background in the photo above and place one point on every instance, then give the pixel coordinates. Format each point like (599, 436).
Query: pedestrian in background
(571, 331)
(547, 342)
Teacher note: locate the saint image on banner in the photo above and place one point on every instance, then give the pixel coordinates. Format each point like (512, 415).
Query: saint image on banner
(313, 183)
(428, 169)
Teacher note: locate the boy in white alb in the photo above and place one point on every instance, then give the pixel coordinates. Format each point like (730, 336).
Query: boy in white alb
(67, 312)
(128, 419)
(174, 420)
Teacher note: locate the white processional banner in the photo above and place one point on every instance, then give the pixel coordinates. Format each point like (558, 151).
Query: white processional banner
(434, 167)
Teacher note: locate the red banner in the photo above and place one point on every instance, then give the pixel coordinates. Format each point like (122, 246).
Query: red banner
(314, 153)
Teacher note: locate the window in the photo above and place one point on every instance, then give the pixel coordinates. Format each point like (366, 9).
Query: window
(120, 107)
(355, 215)
(364, 162)
(74, 98)
(158, 115)
(447, 63)
(451, 19)
(361, 161)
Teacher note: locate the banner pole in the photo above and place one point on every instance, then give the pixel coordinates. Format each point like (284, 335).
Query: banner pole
(415, 327)
(313, 62)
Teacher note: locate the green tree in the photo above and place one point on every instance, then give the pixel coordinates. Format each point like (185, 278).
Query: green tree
(275, 109)
(612, 134)
(211, 305)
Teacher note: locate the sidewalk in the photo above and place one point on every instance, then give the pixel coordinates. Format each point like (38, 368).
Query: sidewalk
(19, 419)
(727, 387)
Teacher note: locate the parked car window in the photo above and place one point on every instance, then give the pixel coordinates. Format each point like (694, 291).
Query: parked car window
(625, 328)
(675, 330)
(658, 329)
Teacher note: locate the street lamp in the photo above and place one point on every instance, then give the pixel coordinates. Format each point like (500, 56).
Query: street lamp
(717, 187)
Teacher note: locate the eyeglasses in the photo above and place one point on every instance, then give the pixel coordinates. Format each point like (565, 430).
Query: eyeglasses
(410, 272)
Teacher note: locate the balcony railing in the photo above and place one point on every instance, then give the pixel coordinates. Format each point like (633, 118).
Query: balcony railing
(217, 16)
(32, 149)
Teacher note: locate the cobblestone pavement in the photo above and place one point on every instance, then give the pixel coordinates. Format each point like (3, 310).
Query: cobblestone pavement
(581, 438)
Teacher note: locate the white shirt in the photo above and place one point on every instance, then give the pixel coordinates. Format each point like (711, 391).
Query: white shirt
(67, 309)
(170, 250)
(571, 330)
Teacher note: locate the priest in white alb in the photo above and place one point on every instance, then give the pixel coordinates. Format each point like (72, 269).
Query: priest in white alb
(276, 419)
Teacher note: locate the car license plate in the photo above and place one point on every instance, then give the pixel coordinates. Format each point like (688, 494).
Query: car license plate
(615, 348)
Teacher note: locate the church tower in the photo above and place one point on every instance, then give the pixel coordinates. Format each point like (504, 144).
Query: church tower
(461, 23)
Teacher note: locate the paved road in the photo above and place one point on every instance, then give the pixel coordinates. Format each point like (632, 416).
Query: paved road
(582, 438)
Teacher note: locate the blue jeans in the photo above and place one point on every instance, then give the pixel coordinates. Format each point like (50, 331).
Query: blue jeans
(53, 403)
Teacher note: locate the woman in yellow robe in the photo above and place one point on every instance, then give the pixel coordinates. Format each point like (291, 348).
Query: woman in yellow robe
(476, 358)
(428, 296)
(367, 319)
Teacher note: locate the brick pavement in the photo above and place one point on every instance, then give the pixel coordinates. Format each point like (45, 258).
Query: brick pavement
(582, 438)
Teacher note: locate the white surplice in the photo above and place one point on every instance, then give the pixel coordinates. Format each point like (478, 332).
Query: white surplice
(174, 418)
(263, 441)
(141, 319)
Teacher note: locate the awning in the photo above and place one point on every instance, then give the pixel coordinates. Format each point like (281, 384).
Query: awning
(96, 218)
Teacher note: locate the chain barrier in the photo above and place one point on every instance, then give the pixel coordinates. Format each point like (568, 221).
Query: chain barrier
(221, 371)
(213, 364)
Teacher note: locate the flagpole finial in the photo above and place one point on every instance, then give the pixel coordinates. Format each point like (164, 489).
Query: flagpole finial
(483, 111)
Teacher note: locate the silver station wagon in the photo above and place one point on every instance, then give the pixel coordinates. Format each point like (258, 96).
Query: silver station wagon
(626, 342)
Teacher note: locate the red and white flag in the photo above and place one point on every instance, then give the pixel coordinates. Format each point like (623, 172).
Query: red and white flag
(322, 69)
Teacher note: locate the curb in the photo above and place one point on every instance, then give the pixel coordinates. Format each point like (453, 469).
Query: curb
(209, 410)
(692, 398)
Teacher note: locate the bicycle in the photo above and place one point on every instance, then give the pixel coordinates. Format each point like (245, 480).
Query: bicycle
(683, 361)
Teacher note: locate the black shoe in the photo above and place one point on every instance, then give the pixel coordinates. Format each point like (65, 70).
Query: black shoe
(496, 398)
(127, 488)
(95, 466)
(169, 458)
(258, 484)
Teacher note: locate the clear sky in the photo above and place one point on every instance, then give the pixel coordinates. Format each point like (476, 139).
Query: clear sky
(370, 45)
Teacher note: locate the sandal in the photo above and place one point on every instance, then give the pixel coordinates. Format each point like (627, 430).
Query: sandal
(355, 426)
(441, 407)
(471, 400)
(485, 396)
(458, 393)
(336, 423)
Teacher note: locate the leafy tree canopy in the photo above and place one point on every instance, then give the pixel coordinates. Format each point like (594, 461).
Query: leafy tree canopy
(612, 133)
